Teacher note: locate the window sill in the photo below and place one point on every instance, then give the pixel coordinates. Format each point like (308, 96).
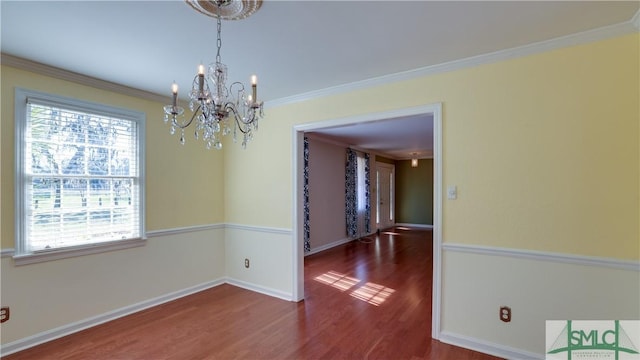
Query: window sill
(57, 254)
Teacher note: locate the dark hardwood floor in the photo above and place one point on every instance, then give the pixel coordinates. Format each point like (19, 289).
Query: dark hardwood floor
(368, 299)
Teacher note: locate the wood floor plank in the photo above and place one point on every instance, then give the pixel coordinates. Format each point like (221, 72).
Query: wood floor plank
(368, 299)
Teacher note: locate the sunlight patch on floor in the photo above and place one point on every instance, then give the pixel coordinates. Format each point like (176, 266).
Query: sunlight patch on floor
(339, 281)
(373, 293)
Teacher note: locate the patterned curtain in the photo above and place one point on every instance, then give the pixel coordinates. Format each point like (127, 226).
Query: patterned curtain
(307, 226)
(367, 194)
(351, 199)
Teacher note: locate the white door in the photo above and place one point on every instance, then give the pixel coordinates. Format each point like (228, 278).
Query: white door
(385, 189)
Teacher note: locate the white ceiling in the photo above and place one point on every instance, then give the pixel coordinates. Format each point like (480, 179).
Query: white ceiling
(294, 47)
(397, 138)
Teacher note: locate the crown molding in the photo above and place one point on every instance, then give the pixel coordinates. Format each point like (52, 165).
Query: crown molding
(603, 33)
(580, 38)
(62, 74)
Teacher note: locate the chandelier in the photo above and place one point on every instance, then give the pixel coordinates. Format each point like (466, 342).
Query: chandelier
(217, 109)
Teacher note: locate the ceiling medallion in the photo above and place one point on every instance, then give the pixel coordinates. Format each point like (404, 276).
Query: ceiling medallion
(227, 9)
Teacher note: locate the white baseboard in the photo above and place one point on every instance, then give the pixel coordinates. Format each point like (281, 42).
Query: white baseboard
(419, 226)
(334, 244)
(346, 240)
(328, 246)
(260, 289)
(488, 347)
(71, 328)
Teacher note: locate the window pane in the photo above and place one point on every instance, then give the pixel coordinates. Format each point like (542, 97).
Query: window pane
(98, 161)
(362, 203)
(42, 161)
(79, 177)
(70, 159)
(120, 162)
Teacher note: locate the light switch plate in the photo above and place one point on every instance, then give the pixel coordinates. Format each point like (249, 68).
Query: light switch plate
(452, 192)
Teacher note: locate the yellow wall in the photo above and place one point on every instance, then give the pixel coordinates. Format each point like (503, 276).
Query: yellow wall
(544, 150)
(173, 172)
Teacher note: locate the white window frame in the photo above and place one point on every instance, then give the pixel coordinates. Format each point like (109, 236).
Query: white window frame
(22, 254)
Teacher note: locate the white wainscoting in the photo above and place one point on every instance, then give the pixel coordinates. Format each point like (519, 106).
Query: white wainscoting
(538, 286)
(171, 257)
(270, 257)
(52, 299)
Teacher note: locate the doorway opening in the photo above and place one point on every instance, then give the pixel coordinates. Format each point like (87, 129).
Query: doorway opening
(297, 239)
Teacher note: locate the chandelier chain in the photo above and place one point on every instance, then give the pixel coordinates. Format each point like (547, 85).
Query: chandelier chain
(219, 43)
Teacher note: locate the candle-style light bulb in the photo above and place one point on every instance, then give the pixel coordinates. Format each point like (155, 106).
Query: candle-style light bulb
(200, 79)
(254, 87)
(174, 90)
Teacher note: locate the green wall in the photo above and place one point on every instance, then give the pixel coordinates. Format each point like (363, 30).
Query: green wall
(414, 192)
(385, 160)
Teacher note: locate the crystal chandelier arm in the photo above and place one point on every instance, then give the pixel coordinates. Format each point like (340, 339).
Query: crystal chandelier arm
(238, 119)
(239, 91)
(186, 125)
(236, 90)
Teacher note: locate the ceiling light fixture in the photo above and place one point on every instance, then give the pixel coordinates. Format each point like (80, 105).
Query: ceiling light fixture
(414, 160)
(214, 105)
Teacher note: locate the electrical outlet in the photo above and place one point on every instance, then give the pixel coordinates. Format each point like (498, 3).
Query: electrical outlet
(246, 263)
(4, 314)
(505, 313)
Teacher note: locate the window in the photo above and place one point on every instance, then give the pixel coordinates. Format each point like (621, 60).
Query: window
(361, 189)
(79, 176)
(362, 192)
